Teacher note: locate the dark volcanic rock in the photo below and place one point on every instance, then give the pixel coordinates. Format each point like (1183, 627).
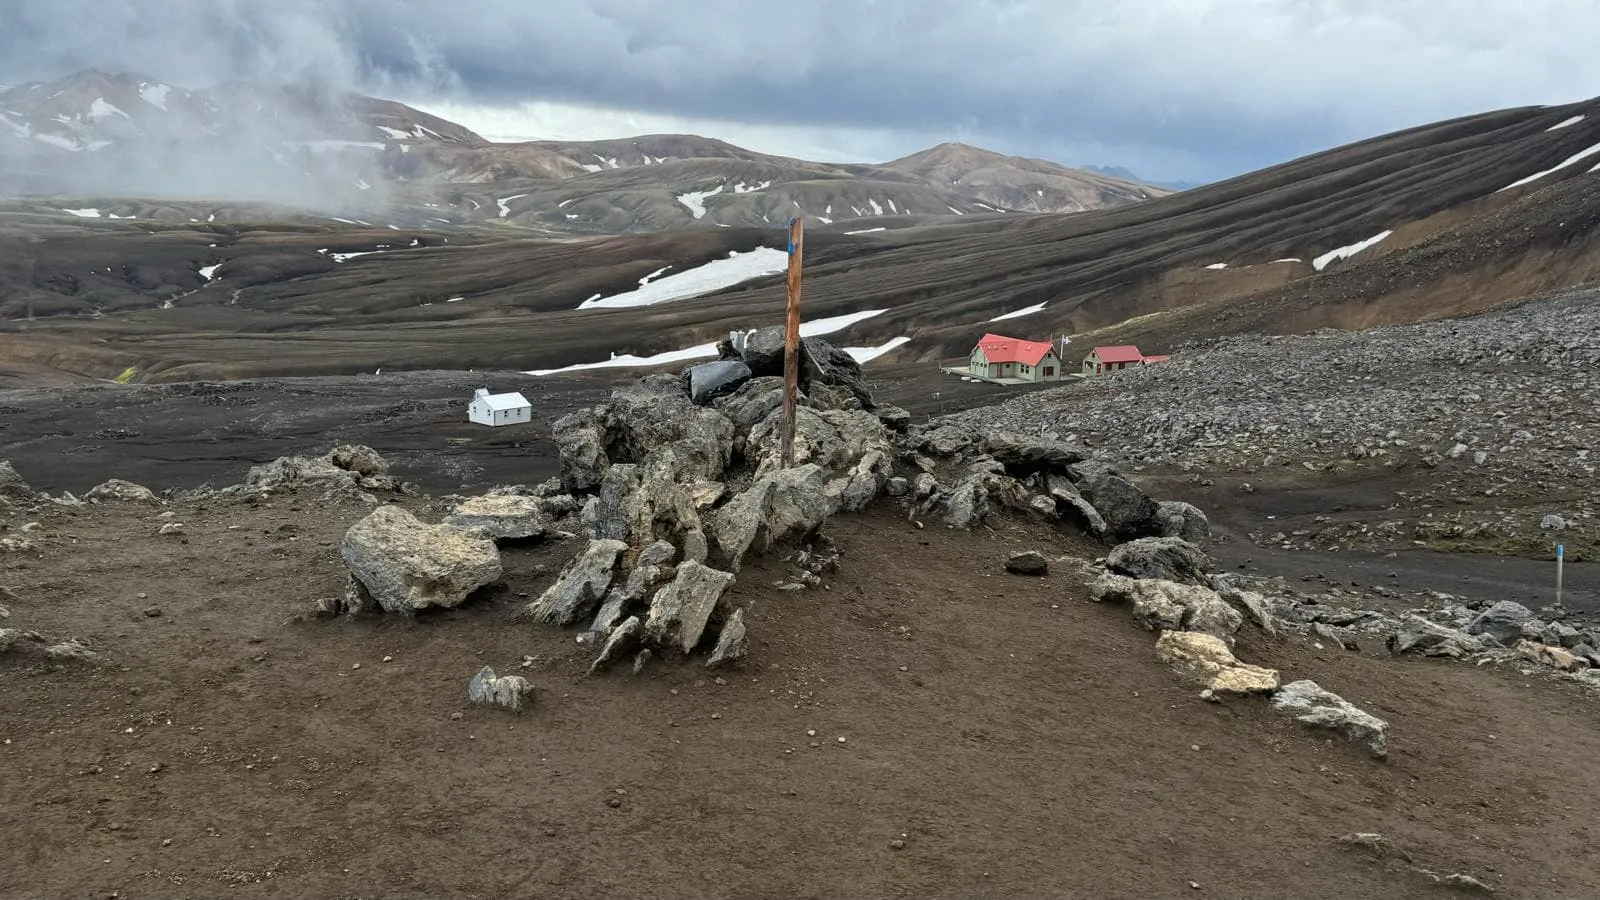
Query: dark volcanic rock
(711, 380)
(763, 351)
(824, 364)
(1128, 511)
(1025, 454)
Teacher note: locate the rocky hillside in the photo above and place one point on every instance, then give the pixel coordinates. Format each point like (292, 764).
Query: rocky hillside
(97, 138)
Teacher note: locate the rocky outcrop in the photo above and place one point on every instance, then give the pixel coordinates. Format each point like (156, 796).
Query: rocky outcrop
(578, 592)
(1419, 636)
(405, 565)
(1507, 623)
(348, 471)
(1311, 705)
(1128, 511)
(1165, 558)
(121, 491)
(1159, 605)
(681, 610)
(504, 516)
(1208, 661)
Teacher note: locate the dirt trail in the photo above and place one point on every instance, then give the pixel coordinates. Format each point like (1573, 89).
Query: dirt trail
(1020, 740)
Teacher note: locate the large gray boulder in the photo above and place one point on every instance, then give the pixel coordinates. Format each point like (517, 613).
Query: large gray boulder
(1025, 454)
(504, 516)
(1165, 558)
(582, 585)
(1069, 505)
(580, 442)
(1421, 637)
(680, 611)
(1506, 622)
(12, 486)
(1128, 511)
(656, 413)
(347, 469)
(785, 504)
(406, 565)
(752, 402)
(121, 491)
(1311, 705)
(1183, 520)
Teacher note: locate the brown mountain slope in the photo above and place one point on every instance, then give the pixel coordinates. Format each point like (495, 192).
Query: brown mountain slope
(1456, 243)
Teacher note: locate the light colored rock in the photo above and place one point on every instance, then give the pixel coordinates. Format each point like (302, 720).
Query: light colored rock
(1169, 606)
(504, 516)
(777, 507)
(170, 528)
(619, 643)
(505, 692)
(680, 611)
(732, 642)
(406, 565)
(1207, 660)
(124, 491)
(1183, 520)
(581, 586)
(1310, 704)
(1504, 621)
(1420, 636)
(1554, 657)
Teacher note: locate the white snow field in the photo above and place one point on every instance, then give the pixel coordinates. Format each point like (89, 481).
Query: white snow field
(1019, 313)
(713, 276)
(865, 355)
(816, 328)
(1575, 158)
(1566, 123)
(696, 200)
(1347, 251)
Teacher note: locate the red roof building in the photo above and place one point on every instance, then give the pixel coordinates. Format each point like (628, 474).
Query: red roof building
(1112, 359)
(1000, 357)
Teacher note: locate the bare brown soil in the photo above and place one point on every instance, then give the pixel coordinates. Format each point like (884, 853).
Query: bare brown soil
(1020, 740)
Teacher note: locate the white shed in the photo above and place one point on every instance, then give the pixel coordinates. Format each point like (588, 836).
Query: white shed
(499, 409)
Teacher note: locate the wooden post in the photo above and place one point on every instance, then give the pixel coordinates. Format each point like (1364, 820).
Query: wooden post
(791, 345)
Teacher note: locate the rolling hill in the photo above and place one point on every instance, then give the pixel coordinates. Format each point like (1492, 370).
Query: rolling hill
(1445, 219)
(107, 140)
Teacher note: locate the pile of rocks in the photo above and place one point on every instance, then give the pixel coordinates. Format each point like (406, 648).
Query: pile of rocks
(1167, 585)
(676, 481)
(1494, 414)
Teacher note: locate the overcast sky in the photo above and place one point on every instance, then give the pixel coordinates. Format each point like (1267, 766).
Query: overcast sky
(1172, 89)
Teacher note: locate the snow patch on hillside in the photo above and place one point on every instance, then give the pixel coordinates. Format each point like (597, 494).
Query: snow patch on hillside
(696, 200)
(1575, 158)
(1347, 251)
(1217, 266)
(100, 109)
(876, 209)
(85, 213)
(742, 188)
(816, 328)
(1566, 123)
(1017, 314)
(504, 209)
(867, 230)
(155, 95)
(713, 276)
(865, 355)
(209, 272)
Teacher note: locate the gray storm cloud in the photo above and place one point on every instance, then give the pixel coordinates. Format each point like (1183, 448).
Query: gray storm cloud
(1225, 85)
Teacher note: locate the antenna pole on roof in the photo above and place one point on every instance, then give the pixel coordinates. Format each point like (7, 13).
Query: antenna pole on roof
(791, 344)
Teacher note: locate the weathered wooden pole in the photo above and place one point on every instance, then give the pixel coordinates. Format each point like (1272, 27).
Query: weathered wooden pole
(791, 344)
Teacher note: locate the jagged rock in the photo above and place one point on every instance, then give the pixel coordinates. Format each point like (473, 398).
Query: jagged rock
(836, 440)
(1253, 603)
(1206, 659)
(642, 660)
(345, 471)
(1310, 704)
(1588, 653)
(649, 570)
(924, 486)
(1420, 636)
(72, 650)
(1030, 562)
(505, 692)
(1554, 657)
(763, 351)
(1504, 622)
(752, 402)
(680, 611)
(1168, 605)
(1560, 634)
(711, 380)
(1338, 637)
(12, 486)
(785, 504)
(732, 643)
(622, 640)
(655, 413)
(582, 450)
(505, 517)
(1165, 558)
(894, 418)
(1129, 513)
(13, 638)
(897, 487)
(1183, 520)
(1071, 505)
(123, 491)
(1025, 454)
(821, 363)
(407, 565)
(581, 587)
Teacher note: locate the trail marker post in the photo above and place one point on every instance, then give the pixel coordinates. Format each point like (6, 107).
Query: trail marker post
(791, 344)
(1561, 552)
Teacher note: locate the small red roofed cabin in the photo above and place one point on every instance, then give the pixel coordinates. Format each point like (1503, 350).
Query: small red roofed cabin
(1112, 359)
(998, 356)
